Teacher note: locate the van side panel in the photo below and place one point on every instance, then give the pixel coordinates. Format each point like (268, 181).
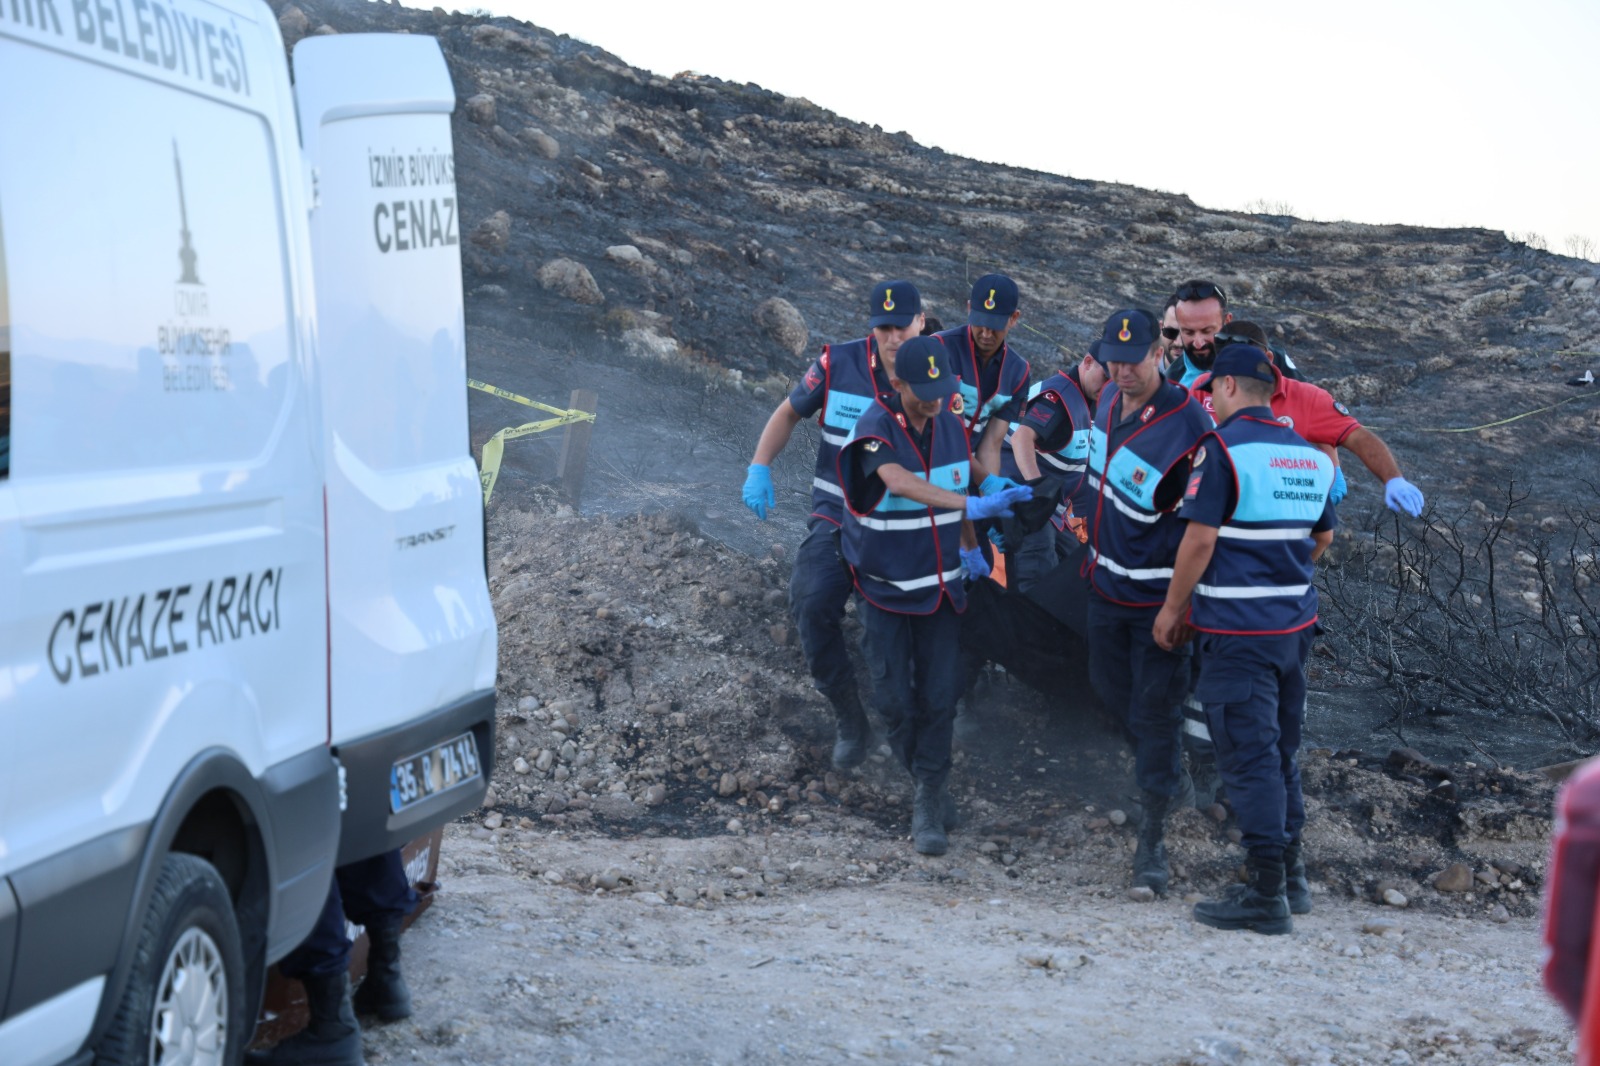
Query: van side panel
(75, 905)
(161, 507)
(171, 576)
(8, 939)
(414, 637)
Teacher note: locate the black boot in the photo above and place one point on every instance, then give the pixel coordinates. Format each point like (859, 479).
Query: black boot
(1150, 859)
(1259, 905)
(383, 992)
(951, 814)
(330, 1038)
(1295, 885)
(852, 731)
(927, 820)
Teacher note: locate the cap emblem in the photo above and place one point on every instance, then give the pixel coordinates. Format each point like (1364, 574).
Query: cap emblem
(888, 299)
(988, 305)
(1124, 335)
(933, 369)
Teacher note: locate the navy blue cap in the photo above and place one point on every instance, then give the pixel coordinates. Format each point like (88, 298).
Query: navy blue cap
(923, 364)
(1128, 336)
(894, 303)
(1239, 361)
(993, 299)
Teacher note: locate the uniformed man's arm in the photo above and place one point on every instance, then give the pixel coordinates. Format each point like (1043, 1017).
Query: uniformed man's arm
(903, 483)
(1319, 543)
(776, 434)
(1194, 555)
(989, 448)
(1373, 453)
(1024, 449)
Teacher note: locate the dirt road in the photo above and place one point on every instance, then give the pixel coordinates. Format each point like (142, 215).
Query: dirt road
(946, 961)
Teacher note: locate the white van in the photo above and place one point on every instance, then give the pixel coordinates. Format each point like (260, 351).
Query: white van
(241, 571)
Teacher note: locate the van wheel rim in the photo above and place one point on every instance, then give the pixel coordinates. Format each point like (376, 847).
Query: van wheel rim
(190, 1022)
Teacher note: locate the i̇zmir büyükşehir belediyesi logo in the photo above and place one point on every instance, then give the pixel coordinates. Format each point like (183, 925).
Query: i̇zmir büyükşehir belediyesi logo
(191, 349)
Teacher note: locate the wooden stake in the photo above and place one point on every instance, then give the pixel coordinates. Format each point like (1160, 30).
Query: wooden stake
(575, 446)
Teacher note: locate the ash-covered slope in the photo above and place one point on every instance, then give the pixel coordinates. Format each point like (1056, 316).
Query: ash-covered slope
(733, 195)
(636, 222)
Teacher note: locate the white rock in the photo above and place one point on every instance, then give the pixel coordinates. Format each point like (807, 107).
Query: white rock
(1394, 897)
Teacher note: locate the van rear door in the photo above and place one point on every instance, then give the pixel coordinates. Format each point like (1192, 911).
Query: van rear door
(413, 633)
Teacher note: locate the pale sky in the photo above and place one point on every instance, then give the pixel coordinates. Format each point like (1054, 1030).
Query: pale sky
(1463, 113)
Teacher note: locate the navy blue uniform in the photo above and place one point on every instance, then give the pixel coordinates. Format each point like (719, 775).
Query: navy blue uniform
(364, 891)
(843, 382)
(906, 559)
(992, 389)
(1265, 490)
(1138, 468)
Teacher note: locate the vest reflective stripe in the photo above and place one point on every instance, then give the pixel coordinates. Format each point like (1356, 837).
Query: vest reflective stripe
(1240, 533)
(905, 555)
(1153, 573)
(1259, 580)
(916, 583)
(1055, 462)
(1134, 543)
(1249, 592)
(854, 382)
(942, 518)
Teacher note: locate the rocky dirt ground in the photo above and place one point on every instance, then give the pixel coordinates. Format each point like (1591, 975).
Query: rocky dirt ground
(667, 871)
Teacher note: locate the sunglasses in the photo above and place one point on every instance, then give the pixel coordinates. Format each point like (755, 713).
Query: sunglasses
(1201, 290)
(1170, 332)
(1225, 338)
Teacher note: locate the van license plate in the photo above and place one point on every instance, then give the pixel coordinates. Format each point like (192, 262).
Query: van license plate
(439, 769)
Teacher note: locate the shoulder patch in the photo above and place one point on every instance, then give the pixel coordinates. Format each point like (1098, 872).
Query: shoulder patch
(1341, 408)
(1199, 455)
(871, 445)
(956, 406)
(1286, 420)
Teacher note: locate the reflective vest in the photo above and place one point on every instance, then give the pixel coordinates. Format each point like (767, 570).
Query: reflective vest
(976, 407)
(905, 554)
(1070, 462)
(1132, 541)
(855, 380)
(1259, 581)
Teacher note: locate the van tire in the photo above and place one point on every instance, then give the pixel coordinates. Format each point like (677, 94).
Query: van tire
(189, 935)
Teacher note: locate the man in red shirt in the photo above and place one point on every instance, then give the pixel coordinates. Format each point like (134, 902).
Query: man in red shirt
(1313, 413)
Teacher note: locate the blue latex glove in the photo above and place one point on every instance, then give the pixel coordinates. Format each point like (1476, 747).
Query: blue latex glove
(977, 566)
(998, 505)
(758, 494)
(1341, 487)
(997, 538)
(995, 483)
(1402, 495)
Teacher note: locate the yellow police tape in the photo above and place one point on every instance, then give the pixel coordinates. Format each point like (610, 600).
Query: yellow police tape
(494, 447)
(1506, 421)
